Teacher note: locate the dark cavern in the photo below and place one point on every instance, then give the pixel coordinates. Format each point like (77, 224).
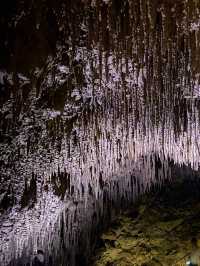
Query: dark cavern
(100, 133)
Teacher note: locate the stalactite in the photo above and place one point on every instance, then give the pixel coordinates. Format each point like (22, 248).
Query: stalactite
(109, 116)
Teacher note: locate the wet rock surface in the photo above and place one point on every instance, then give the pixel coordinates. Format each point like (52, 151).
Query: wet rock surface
(159, 230)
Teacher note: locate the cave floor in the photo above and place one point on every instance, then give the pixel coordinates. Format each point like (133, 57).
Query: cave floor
(157, 231)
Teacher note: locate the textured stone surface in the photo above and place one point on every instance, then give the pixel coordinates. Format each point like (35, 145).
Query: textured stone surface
(99, 100)
(161, 233)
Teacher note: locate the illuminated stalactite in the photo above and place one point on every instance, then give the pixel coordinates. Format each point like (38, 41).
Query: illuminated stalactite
(93, 117)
